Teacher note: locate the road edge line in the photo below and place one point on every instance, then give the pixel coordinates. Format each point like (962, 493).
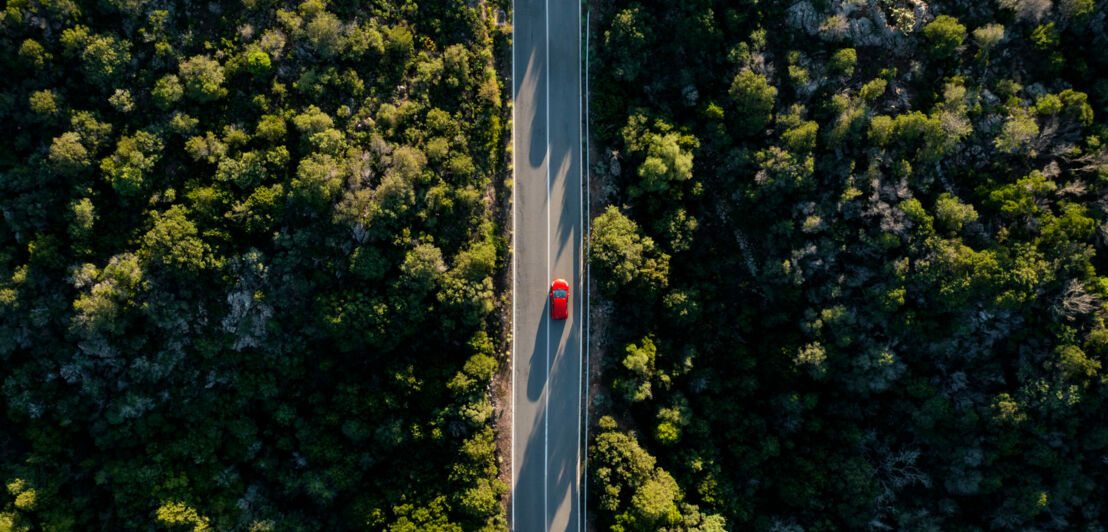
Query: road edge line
(546, 387)
(586, 223)
(515, 276)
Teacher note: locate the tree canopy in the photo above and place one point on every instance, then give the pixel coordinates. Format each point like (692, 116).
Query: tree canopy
(851, 265)
(230, 298)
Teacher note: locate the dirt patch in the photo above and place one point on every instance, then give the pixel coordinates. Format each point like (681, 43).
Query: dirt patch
(500, 389)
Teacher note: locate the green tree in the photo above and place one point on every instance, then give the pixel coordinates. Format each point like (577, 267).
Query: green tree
(1071, 224)
(121, 100)
(105, 58)
(67, 155)
(257, 62)
(754, 98)
(431, 518)
(262, 210)
(666, 162)
(325, 34)
(1045, 37)
(671, 422)
(844, 61)
(881, 130)
(952, 215)
(679, 227)
(368, 263)
(43, 103)
(134, 158)
(399, 44)
(1074, 364)
(203, 78)
(33, 54)
(1018, 132)
(639, 362)
(482, 500)
(1076, 8)
(84, 216)
(629, 37)
(945, 35)
(655, 502)
(1023, 197)
(271, 128)
(987, 37)
(312, 121)
(623, 256)
(422, 267)
(872, 90)
(801, 138)
(24, 494)
(93, 133)
(110, 293)
(318, 180)
(174, 241)
(179, 514)
(1075, 105)
(619, 465)
(167, 91)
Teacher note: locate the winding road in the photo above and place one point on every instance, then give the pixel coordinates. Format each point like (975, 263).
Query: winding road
(548, 242)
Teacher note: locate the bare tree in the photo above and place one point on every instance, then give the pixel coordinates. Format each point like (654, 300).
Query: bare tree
(1032, 10)
(1075, 301)
(892, 470)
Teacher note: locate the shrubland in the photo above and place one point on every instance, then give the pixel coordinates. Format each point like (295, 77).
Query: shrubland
(246, 265)
(854, 261)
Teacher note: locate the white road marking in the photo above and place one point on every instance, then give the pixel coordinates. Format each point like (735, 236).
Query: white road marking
(546, 387)
(581, 306)
(587, 225)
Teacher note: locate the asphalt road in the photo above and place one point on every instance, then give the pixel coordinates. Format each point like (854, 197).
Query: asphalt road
(547, 206)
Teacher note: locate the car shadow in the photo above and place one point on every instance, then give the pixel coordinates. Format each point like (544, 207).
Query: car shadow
(540, 368)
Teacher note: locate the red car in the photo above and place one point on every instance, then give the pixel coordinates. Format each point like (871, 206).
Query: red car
(559, 299)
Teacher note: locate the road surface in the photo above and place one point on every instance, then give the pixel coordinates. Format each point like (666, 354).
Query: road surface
(547, 206)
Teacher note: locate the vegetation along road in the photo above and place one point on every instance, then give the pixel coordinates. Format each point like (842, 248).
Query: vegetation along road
(546, 454)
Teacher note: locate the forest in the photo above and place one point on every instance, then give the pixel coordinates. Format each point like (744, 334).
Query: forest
(852, 268)
(251, 257)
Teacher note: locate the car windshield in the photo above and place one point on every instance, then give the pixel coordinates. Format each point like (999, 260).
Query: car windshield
(560, 293)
